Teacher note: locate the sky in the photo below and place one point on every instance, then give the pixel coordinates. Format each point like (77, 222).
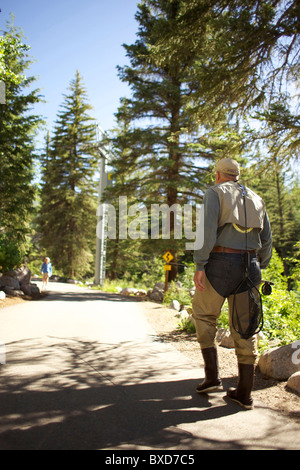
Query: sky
(70, 35)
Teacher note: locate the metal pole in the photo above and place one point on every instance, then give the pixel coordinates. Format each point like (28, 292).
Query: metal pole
(99, 265)
(100, 261)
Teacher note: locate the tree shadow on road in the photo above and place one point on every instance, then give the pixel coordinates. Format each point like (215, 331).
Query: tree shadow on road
(90, 295)
(75, 394)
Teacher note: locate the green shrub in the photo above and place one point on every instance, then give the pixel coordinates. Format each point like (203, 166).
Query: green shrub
(177, 293)
(282, 315)
(11, 255)
(274, 272)
(187, 325)
(223, 320)
(282, 308)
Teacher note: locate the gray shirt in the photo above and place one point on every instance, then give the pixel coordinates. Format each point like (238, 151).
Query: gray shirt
(227, 236)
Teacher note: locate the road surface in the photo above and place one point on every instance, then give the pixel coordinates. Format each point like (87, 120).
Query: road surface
(84, 370)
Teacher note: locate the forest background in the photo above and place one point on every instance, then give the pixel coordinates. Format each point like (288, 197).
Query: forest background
(208, 79)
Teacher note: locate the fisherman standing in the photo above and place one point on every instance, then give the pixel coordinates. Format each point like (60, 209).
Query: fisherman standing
(220, 268)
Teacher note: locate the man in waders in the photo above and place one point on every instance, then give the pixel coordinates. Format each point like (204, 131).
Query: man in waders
(235, 222)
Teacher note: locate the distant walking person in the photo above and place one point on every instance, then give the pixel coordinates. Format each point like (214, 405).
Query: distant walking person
(46, 272)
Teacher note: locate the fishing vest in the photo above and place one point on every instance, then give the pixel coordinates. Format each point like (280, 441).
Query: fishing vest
(232, 209)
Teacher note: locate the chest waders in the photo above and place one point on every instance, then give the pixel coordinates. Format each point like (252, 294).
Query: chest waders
(247, 311)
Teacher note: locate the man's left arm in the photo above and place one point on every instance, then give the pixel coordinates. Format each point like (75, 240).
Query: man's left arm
(265, 253)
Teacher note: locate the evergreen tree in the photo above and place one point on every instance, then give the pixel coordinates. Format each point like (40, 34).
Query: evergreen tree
(247, 48)
(126, 256)
(278, 187)
(278, 138)
(67, 219)
(17, 131)
(168, 156)
(280, 128)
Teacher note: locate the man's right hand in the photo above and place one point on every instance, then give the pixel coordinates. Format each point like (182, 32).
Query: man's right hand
(198, 280)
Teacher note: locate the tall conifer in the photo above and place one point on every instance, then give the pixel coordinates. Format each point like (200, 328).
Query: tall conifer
(17, 131)
(169, 152)
(68, 200)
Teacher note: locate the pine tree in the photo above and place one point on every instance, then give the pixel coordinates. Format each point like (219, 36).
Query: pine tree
(247, 48)
(17, 149)
(67, 217)
(169, 151)
(274, 181)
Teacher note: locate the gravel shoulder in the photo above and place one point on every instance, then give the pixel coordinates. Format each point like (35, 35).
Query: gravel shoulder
(272, 393)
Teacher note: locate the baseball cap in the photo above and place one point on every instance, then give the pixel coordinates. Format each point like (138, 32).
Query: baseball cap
(228, 166)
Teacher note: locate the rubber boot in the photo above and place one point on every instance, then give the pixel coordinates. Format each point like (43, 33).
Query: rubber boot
(212, 380)
(242, 394)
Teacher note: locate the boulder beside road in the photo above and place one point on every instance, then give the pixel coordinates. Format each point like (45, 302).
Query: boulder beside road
(282, 362)
(17, 283)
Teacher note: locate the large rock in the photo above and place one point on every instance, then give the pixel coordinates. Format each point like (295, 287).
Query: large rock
(159, 286)
(175, 305)
(182, 315)
(132, 291)
(9, 282)
(141, 293)
(293, 382)
(13, 292)
(30, 289)
(23, 275)
(158, 292)
(280, 363)
(156, 295)
(17, 283)
(128, 291)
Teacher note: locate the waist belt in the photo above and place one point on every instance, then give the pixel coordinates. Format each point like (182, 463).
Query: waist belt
(222, 249)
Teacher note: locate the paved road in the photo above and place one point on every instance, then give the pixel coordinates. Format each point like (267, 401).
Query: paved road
(84, 370)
